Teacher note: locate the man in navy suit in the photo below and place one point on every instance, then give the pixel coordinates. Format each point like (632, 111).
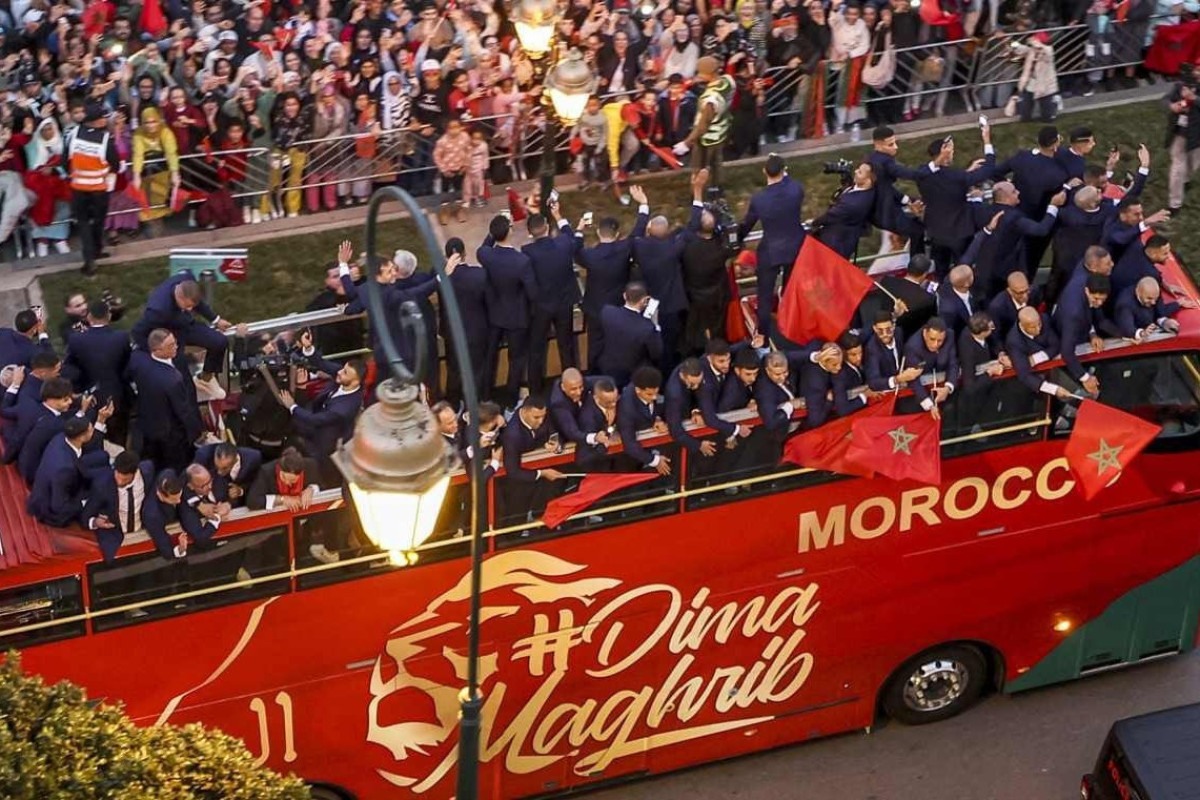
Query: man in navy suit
(1129, 224)
(957, 299)
(1141, 260)
(780, 208)
(777, 399)
(201, 513)
(1038, 176)
(659, 257)
(944, 188)
(233, 469)
(979, 354)
(116, 499)
(512, 288)
(568, 397)
(1073, 156)
(26, 337)
(637, 412)
(607, 265)
(332, 415)
(883, 361)
(168, 418)
(59, 487)
(1030, 343)
(523, 493)
(817, 375)
(173, 306)
(1004, 307)
(1002, 244)
(597, 422)
(716, 363)
(681, 405)
(849, 384)
(99, 358)
(889, 201)
(161, 509)
(26, 387)
(849, 218)
(55, 400)
(630, 340)
(1140, 311)
(553, 261)
(1080, 320)
(737, 391)
(471, 290)
(933, 351)
(1096, 261)
(49, 424)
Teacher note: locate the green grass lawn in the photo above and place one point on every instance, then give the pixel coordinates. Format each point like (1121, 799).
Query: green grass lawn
(285, 273)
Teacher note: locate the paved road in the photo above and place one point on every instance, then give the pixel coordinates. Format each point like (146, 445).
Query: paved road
(1030, 746)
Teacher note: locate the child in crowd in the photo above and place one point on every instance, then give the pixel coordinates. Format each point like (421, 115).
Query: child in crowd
(475, 183)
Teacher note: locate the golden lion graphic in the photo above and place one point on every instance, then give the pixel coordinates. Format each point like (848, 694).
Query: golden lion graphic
(427, 671)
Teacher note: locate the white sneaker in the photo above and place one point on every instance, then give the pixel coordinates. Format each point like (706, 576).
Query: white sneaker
(292, 214)
(246, 215)
(61, 246)
(255, 216)
(320, 553)
(41, 249)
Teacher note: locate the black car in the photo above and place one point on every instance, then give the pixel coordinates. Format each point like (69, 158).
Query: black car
(1151, 757)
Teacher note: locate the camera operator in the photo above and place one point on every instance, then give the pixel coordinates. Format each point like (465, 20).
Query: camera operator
(849, 217)
(265, 425)
(1183, 135)
(705, 253)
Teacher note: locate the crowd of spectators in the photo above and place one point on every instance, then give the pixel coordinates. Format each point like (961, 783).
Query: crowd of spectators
(965, 330)
(263, 109)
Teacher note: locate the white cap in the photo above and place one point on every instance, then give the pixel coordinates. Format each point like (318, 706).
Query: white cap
(34, 15)
(227, 36)
(430, 65)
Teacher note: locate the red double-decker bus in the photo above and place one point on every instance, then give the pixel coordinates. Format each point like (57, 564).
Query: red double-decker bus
(726, 609)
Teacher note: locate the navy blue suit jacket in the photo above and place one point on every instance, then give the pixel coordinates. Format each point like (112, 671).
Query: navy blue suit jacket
(952, 310)
(1004, 312)
(661, 268)
(678, 403)
(553, 260)
(945, 361)
(880, 364)
(517, 440)
(1037, 178)
(156, 516)
(471, 290)
(59, 488)
(849, 377)
(45, 428)
(947, 213)
(1118, 237)
(735, 394)
(329, 420)
(166, 410)
(780, 208)
(251, 462)
(511, 284)
(100, 358)
(630, 340)
(1075, 319)
(708, 398)
(28, 414)
(17, 348)
(1132, 267)
(1131, 316)
(102, 500)
(416, 288)
(592, 419)
(161, 310)
(1020, 347)
(816, 385)
(770, 396)
(1003, 251)
(607, 265)
(889, 201)
(634, 416)
(564, 414)
(847, 220)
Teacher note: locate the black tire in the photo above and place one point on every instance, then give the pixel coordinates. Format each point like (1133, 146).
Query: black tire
(938, 684)
(324, 791)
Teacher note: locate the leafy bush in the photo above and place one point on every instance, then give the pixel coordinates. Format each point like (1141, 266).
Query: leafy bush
(55, 744)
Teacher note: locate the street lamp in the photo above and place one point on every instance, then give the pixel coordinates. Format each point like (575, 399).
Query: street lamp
(568, 81)
(398, 467)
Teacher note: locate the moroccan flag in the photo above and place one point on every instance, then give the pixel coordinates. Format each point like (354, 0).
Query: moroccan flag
(825, 447)
(153, 21)
(1103, 443)
(899, 447)
(591, 489)
(516, 206)
(822, 294)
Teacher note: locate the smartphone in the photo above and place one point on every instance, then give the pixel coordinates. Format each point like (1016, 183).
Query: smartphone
(553, 196)
(983, 120)
(587, 219)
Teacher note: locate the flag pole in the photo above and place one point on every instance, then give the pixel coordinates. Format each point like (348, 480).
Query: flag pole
(881, 288)
(896, 390)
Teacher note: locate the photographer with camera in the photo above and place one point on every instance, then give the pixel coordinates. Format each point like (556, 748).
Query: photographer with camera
(849, 217)
(1183, 135)
(705, 254)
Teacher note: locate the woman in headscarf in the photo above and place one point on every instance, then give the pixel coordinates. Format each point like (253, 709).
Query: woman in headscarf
(44, 176)
(122, 207)
(155, 166)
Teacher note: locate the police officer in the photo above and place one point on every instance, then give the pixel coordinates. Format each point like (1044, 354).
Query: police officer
(92, 160)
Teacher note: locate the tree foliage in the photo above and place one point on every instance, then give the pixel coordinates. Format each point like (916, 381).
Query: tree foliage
(55, 744)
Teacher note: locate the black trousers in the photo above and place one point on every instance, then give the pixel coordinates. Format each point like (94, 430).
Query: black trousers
(945, 255)
(539, 343)
(765, 278)
(671, 324)
(477, 351)
(90, 210)
(174, 453)
(518, 359)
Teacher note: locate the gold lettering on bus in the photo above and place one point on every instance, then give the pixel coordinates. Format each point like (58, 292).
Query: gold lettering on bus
(963, 499)
(534, 732)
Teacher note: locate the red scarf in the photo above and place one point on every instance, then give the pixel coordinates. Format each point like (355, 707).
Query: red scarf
(282, 489)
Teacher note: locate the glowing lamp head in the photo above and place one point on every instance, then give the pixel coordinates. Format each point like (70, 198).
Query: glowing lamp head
(535, 21)
(570, 84)
(1063, 625)
(398, 469)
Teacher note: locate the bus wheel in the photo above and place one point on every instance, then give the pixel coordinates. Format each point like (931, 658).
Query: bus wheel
(935, 685)
(324, 791)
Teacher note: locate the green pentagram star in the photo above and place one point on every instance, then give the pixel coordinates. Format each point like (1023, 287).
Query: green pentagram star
(1106, 456)
(902, 441)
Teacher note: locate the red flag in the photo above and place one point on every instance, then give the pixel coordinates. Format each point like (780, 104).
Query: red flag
(1103, 443)
(666, 155)
(152, 20)
(822, 295)
(899, 447)
(825, 447)
(591, 489)
(516, 206)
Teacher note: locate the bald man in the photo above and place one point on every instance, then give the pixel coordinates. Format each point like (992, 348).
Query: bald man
(1031, 343)
(567, 398)
(1017, 294)
(1140, 311)
(958, 299)
(658, 256)
(714, 120)
(1002, 243)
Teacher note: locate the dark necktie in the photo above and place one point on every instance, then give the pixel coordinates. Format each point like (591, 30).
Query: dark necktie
(129, 509)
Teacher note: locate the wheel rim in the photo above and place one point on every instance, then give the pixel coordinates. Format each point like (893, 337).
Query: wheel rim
(935, 685)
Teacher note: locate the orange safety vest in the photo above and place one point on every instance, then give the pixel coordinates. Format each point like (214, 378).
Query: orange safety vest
(89, 165)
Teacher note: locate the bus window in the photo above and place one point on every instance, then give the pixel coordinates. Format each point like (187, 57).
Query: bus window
(335, 535)
(1162, 388)
(750, 468)
(146, 586)
(1001, 413)
(41, 603)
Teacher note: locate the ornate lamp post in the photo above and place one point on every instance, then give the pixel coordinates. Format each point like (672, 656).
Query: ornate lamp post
(398, 467)
(568, 81)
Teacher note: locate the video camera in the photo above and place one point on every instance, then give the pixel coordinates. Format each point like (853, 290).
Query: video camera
(723, 214)
(844, 169)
